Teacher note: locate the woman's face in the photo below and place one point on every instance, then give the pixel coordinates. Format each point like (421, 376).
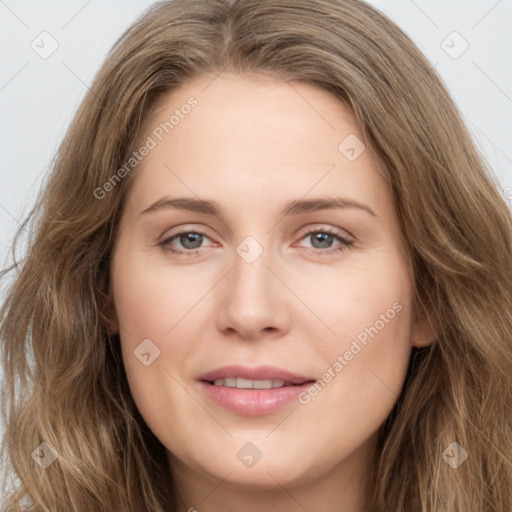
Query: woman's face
(269, 279)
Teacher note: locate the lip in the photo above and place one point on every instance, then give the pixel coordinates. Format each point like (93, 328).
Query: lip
(253, 402)
(258, 373)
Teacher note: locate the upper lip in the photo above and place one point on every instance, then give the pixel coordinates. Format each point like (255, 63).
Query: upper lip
(257, 373)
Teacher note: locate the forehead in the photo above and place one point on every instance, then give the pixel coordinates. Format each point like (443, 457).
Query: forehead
(254, 135)
(267, 114)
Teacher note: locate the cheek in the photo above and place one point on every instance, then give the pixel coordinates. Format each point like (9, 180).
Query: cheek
(360, 385)
(365, 358)
(363, 300)
(367, 368)
(157, 316)
(150, 299)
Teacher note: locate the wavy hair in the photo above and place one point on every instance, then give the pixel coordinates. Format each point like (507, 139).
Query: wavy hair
(64, 381)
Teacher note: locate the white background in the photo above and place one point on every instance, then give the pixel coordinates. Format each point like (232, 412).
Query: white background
(39, 96)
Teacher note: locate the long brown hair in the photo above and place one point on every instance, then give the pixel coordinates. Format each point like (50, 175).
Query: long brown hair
(64, 381)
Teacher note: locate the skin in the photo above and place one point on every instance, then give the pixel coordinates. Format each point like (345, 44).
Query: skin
(252, 143)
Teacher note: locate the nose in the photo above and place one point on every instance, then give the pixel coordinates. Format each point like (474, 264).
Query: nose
(252, 300)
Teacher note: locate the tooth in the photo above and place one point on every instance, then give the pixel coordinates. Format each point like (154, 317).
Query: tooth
(262, 384)
(244, 383)
(230, 382)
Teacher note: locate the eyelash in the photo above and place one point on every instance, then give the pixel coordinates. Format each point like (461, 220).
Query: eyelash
(345, 243)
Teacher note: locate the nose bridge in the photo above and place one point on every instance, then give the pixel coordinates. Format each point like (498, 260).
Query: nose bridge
(251, 279)
(252, 293)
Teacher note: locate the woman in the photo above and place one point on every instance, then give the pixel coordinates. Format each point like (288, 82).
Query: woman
(170, 343)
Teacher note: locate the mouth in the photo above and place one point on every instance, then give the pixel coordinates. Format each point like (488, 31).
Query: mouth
(242, 383)
(245, 377)
(252, 391)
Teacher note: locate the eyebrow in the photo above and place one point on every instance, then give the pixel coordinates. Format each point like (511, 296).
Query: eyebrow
(295, 207)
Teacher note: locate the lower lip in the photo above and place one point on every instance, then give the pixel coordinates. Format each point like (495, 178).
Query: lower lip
(253, 402)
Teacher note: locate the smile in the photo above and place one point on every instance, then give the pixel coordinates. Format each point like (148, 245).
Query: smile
(242, 383)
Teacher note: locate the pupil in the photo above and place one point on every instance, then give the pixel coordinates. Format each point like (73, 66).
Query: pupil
(324, 239)
(193, 238)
